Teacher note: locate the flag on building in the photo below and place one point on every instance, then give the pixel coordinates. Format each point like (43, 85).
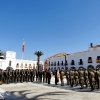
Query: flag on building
(23, 46)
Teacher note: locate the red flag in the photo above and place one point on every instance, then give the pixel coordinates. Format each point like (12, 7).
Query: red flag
(23, 45)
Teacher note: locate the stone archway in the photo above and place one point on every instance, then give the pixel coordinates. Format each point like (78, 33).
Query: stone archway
(98, 66)
(90, 66)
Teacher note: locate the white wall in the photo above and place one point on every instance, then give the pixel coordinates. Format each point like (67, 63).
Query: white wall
(76, 57)
(11, 56)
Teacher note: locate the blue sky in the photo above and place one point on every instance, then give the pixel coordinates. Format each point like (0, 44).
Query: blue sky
(50, 26)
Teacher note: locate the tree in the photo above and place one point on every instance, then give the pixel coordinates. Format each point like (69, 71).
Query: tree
(1, 53)
(38, 54)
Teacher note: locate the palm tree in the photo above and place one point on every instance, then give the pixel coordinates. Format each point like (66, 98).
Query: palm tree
(38, 54)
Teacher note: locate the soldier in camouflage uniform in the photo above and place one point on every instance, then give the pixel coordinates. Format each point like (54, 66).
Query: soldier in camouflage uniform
(98, 78)
(13, 76)
(81, 78)
(92, 79)
(86, 77)
(8, 76)
(67, 77)
(76, 77)
(71, 75)
(62, 77)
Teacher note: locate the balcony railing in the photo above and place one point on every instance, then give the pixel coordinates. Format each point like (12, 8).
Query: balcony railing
(89, 61)
(98, 61)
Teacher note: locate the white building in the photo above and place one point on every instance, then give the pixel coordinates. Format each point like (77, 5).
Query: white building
(11, 61)
(86, 59)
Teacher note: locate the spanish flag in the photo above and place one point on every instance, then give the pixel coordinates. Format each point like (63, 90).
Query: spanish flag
(23, 45)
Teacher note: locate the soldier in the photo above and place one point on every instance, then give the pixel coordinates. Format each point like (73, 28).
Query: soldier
(31, 75)
(5, 76)
(37, 75)
(44, 75)
(62, 77)
(24, 75)
(21, 75)
(71, 75)
(98, 78)
(40, 75)
(8, 76)
(49, 76)
(16, 76)
(76, 77)
(26, 72)
(56, 78)
(67, 77)
(1, 77)
(92, 79)
(81, 78)
(13, 76)
(86, 77)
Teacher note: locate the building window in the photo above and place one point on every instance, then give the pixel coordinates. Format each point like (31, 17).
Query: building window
(17, 65)
(72, 62)
(98, 59)
(89, 59)
(80, 62)
(30, 66)
(9, 63)
(62, 63)
(21, 66)
(54, 63)
(54, 68)
(66, 63)
(58, 63)
(25, 65)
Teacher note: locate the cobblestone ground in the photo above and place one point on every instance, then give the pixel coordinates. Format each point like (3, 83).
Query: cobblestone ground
(43, 91)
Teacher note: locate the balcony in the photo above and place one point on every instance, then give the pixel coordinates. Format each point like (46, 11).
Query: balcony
(89, 61)
(80, 63)
(97, 61)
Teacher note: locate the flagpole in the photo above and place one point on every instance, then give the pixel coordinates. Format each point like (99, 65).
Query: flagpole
(22, 55)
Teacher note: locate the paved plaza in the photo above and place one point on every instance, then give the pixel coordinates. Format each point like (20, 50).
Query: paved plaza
(43, 91)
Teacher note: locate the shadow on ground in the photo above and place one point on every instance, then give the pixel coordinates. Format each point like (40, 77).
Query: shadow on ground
(23, 96)
(67, 87)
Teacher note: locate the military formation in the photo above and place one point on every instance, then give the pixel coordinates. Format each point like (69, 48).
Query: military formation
(24, 75)
(83, 77)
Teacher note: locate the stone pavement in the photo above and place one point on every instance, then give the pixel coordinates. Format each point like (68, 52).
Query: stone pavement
(43, 91)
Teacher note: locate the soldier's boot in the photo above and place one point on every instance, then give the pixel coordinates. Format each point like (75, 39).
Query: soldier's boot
(81, 85)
